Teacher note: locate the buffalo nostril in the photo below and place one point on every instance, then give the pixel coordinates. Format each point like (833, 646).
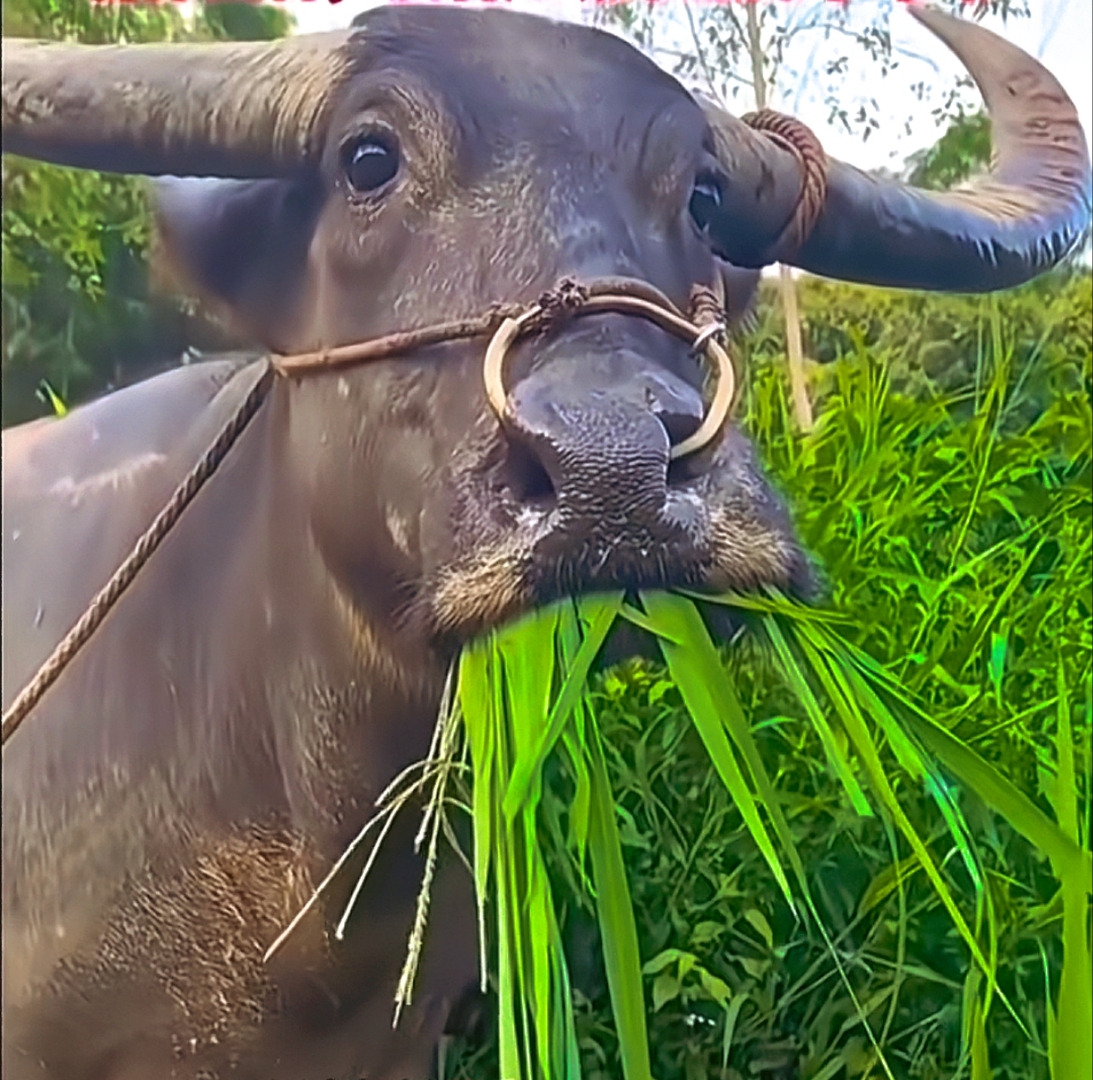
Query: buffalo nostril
(525, 476)
(682, 423)
(677, 405)
(679, 424)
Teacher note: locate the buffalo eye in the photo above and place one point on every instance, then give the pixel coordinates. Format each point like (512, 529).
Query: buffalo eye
(370, 162)
(705, 200)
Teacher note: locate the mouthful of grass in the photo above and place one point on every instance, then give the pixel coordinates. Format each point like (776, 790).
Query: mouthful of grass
(518, 721)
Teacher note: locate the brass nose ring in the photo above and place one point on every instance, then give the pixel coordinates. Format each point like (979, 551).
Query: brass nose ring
(700, 339)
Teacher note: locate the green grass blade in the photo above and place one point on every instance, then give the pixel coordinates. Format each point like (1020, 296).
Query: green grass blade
(852, 693)
(539, 941)
(511, 1059)
(1066, 789)
(856, 691)
(525, 654)
(632, 615)
(773, 603)
(1073, 1052)
(886, 793)
(732, 1013)
(575, 737)
(1000, 794)
(618, 930)
(512, 966)
(474, 698)
(529, 765)
(834, 753)
(566, 1049)
(55, 401)
(736, 724)
(939, 791)
(1052, 1018)
(978, 774)
(697, 670)
(815, 641)
(980, 1058)
(788, 844)
(574, 741)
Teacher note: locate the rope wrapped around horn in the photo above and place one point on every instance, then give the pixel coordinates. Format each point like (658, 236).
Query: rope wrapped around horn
(1000, 230)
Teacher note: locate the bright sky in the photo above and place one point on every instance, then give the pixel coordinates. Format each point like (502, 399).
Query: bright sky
(1058, 32)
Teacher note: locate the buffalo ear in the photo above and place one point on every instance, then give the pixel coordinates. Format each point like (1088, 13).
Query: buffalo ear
(241, 246)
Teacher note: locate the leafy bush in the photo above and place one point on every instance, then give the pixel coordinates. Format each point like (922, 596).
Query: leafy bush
(964, 149)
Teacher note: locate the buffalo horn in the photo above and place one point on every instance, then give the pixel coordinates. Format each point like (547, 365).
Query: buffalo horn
(233, 109)
(1030, 211)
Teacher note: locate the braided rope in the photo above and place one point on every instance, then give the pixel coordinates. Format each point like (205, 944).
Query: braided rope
(801, 141)
(389, 345)
(149, 540)
(708, 307)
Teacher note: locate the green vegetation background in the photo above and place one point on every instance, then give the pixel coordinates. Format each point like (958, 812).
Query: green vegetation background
(944, 493)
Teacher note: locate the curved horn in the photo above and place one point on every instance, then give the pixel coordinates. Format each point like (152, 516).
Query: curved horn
(234, 109)
(1004, 228)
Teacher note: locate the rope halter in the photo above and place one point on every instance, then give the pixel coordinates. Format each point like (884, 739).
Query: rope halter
(504, 324)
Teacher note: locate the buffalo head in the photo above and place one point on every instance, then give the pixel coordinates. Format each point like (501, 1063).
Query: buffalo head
(429, 163)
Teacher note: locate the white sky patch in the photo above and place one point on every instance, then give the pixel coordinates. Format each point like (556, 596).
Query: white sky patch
(1058, 32)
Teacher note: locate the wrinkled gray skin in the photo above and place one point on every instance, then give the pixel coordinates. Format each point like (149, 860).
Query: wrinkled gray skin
(173, 799)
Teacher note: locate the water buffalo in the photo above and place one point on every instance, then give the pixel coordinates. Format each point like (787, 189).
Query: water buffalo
(175, 796)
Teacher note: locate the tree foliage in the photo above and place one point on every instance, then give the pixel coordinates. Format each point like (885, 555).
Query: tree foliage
(708, 44)
(963, 150)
